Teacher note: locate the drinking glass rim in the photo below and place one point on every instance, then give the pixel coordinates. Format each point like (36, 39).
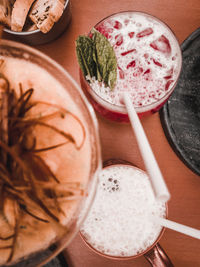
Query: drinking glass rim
(92, 182)
(113, 257)
(122, 109)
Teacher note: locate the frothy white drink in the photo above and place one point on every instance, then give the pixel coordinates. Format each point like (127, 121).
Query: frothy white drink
(118, 224)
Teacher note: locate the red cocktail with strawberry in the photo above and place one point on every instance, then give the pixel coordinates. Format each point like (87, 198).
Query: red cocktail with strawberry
(148, 64)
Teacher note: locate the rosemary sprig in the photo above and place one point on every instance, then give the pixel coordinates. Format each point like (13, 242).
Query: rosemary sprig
(25, 178)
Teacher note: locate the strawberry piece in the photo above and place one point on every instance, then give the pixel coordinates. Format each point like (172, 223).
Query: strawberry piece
(131, 34)
(128, 52)
(167, 77)
(138, 72)
(161, 44)
(131, 64)
(121, 73)
(119, 39)
(168, 84)
(145, 32)
(147, 71)
(147, 74)
(157, 63)
(169, 74)
(117, 25)
(104, 30)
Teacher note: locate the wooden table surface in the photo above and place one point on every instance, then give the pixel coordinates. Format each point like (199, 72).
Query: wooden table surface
(117, 140)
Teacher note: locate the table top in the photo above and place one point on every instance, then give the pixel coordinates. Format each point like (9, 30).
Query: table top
(117, 140)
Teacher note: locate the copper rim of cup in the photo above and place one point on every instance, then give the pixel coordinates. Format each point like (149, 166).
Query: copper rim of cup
(146, 108)
(108, 164)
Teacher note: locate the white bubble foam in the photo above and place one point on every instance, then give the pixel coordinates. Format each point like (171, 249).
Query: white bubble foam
(146, 82)
(117, 224)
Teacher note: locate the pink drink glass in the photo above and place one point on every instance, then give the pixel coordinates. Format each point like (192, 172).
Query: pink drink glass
(154, 254)
(149, 64)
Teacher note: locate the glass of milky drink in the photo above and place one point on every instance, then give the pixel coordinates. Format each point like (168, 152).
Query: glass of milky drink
(148, 65)
(50, 156)
(117, 226)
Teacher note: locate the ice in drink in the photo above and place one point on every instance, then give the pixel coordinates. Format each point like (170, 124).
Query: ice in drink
(148, 64)
(118, 224)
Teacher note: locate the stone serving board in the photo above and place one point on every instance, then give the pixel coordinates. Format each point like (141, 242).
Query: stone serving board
(59, 261)
(180, 116)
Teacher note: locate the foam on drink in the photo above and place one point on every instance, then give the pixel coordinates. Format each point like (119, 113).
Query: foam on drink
(148, 57)
(117, 223)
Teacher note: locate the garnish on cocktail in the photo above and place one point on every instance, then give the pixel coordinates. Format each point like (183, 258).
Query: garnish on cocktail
(97, 58)
(148, 64)
(28, 186)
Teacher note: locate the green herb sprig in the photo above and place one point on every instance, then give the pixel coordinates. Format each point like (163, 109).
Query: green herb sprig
(97, 58)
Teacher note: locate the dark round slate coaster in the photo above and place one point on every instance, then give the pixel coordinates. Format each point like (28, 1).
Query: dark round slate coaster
(59, 261)
(180, 116)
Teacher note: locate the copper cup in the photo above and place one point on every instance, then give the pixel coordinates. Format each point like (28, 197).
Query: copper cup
(154, 254)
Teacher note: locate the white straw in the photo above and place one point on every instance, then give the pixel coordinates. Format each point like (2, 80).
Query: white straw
(158, 183)
(177, 227)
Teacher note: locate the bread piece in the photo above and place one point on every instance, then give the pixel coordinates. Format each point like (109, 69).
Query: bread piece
(5, 12)
(44, 13)
(19, 14)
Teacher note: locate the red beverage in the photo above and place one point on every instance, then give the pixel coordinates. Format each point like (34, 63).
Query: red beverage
(149, 63)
